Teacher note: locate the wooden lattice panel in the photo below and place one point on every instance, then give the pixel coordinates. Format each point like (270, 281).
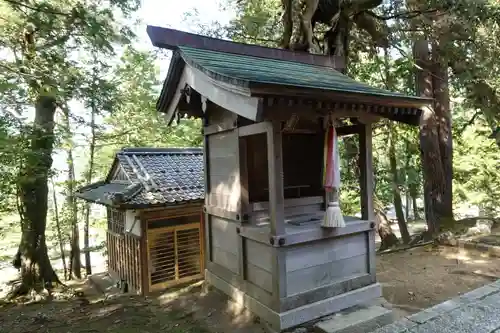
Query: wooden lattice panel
(123, 259)
(175, 255)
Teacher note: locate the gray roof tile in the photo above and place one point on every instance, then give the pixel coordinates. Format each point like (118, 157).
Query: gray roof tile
(166, 175)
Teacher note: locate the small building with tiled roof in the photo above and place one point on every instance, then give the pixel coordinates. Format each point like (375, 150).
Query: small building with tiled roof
(150, 177)
(154, 199)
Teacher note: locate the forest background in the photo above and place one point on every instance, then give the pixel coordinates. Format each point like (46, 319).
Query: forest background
(89, 65)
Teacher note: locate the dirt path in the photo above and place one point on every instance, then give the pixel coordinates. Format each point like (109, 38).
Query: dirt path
(422, 277)
(411, 280)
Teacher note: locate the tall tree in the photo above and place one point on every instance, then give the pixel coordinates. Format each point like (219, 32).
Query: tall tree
(39, 38)
(396, 185)
(71, 207)
(60, 239)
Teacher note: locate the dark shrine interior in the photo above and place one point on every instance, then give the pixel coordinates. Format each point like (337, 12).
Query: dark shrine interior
(302, 165)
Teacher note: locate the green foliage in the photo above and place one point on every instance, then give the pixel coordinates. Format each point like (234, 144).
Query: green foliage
(134, 121)
(476, 161)
(469, 30)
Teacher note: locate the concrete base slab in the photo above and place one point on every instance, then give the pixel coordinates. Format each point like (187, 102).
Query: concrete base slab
(105, 284)
(359, 319)
(281, 321)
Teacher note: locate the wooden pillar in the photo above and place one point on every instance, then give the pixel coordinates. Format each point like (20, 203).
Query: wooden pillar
(366, 185)
(144, 262)
(206, 152)
(276, 209)
(275, 169)
(366, 172)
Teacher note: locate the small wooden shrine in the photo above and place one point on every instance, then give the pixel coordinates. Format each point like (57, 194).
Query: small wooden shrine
(154, 199)
(265, 114)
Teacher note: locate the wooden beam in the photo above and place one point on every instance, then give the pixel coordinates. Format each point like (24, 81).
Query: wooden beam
(224, 126)
(171, 39)
(311, 94)
(275, 170)
(283, 111)
(236, 100)
(244, 204)
(172, 107)
(253, 129)
(221, 212)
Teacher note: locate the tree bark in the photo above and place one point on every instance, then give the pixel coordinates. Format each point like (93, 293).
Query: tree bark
(398, 203)
(59, 233)
(75, 258)
(436, 185)
(440, 87)
(32, 258)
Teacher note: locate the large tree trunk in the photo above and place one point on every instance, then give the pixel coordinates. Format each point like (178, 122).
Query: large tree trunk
(436, 186)
(75, 258)
(398, 203)
(440, 87)
(32, 258)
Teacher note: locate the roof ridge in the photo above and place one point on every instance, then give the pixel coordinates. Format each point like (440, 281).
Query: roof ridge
(157, 150)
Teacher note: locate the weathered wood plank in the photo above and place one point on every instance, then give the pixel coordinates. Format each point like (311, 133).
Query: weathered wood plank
(303, 234)
(313, 277)
(259, 277)
(372, 268)
(224, 171)
(259, 255)
(290, 213)
(308, 234)
(224, 235)
(226, 125)
(217, 211)
(324, 252)
(247, 287)
(321, 293)
(366, 172)
(305, 201)
(225, 259)
(254, 129)
(275, 167)
(279, 273)
(244, 205)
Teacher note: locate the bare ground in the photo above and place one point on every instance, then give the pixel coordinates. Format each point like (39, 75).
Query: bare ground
(411, 280)
(425, 276)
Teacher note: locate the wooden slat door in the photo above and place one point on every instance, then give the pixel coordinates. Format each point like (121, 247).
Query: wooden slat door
(175, 255)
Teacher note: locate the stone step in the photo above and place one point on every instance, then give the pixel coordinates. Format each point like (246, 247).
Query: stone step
(360, 319)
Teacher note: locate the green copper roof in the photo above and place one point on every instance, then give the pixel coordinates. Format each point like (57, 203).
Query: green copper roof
(247, 70)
